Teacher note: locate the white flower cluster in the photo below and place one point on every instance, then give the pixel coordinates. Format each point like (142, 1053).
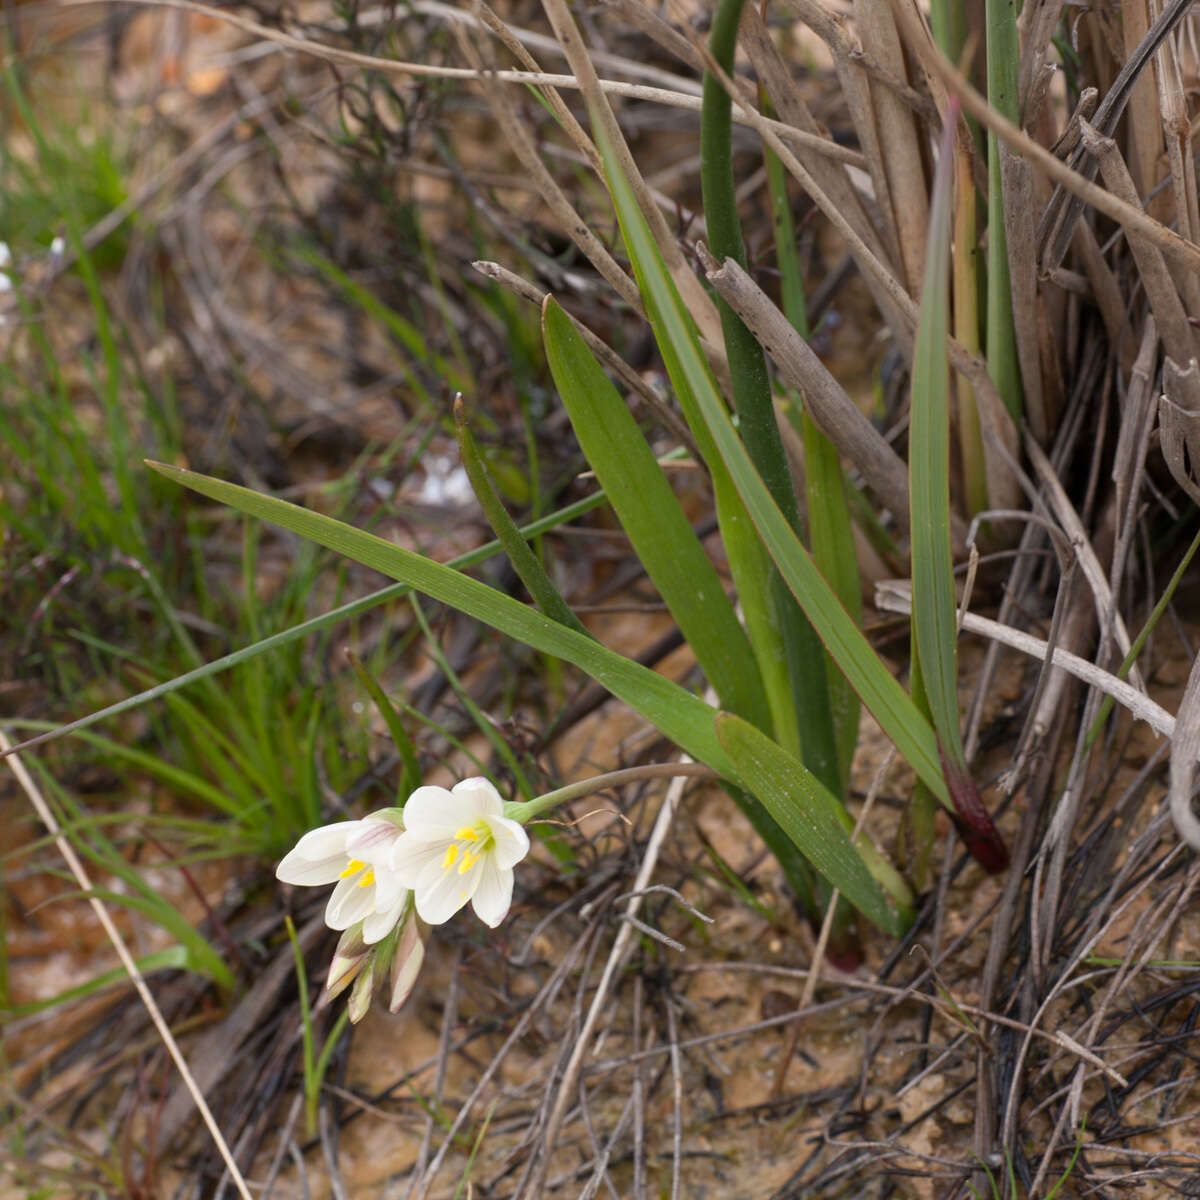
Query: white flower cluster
(446, 848)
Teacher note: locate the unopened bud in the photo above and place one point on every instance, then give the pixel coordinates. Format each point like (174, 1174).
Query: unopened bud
(360, 994)
(406, 965)
(349, 959)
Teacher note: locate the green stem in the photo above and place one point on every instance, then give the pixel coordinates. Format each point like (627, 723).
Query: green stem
(526, 811)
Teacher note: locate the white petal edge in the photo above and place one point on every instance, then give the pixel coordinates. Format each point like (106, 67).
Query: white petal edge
(434, 811)
(389, 888)
(349, 903)
(326, 840)
(482, 795)
(381, 922)
(413, 852)
(493, 895)
(372, 840)
(310, 872)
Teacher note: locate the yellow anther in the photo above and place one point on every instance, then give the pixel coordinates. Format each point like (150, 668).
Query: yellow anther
(367, 879)
(352, 868)
(451, 855)
(469, 860)
(468, 833)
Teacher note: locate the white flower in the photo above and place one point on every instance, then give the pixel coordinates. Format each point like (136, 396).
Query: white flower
(356, 856)
(457, 846)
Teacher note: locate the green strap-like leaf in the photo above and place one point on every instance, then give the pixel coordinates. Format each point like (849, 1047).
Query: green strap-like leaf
(812, 818)
(652, 517)
(682, 717)
(870, 678)
(934, 623)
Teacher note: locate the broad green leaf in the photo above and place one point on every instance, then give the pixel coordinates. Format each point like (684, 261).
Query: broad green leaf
(653, 518)
(748, 561)
(752, 398)
(679, 715)
(829, 527)
(870, 678)
(812, 818)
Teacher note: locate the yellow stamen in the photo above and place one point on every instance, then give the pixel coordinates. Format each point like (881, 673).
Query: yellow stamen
(367, 879)
(468, 833)
(451, 855)
(469, 860)
(352, 868)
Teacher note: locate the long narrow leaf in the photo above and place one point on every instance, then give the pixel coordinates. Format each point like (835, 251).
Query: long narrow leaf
(682, 717)
(812, 817)
(526, 564)
(345, 612)
(653, 518)
(875, 685)
(755, 404)
(934, 622)
(748, 562)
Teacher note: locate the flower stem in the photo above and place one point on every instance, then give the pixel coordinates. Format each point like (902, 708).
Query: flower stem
(528, 810)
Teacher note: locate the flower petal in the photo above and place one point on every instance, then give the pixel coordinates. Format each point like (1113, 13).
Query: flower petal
(326, 840)
(412, 852)
(381, 922)
(372, 840)
(512, 842)
(484, 798)
(310, 872)
(493, 895)
(389, 888)
(441, 893)
(349, 903)
(435, 812)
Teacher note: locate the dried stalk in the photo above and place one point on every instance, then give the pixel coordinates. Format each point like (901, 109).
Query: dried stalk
(900, 145)
(561, 209)
(693, 294)
(608, 357)
(1057, 226)
(1144, 141)
(838, 417)
(1185, 253)
(1179, 339)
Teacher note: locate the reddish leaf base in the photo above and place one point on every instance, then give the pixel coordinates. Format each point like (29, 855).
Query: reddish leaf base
(973, 822)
